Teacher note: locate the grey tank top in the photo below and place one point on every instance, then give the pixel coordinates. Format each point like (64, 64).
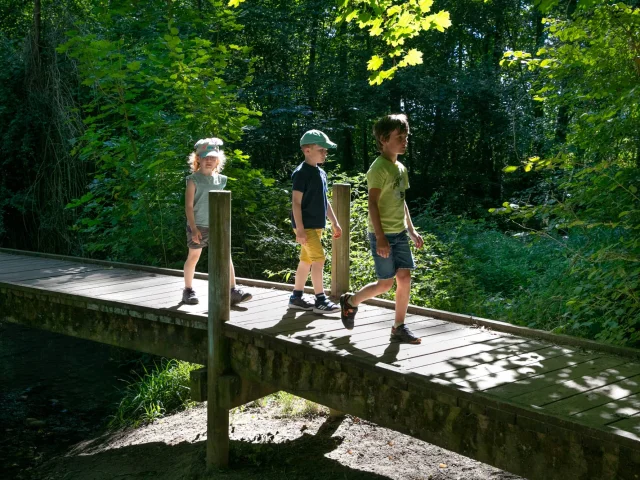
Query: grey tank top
(204, 184)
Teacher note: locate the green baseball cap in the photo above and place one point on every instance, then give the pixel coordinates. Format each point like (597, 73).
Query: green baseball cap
(317, 137)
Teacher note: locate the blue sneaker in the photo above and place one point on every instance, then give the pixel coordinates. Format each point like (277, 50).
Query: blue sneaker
(324, 305)
(299, 303)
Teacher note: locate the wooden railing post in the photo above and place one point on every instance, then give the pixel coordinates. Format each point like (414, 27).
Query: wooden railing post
(340, 252)
(218, 348)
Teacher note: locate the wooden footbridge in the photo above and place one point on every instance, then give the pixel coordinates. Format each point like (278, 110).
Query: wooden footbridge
(539, 405)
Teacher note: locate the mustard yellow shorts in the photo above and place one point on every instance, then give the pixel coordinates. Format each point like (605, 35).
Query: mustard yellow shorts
(312, 251)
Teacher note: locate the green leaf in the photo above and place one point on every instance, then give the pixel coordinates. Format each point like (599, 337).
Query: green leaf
(413, 57)
(510, 168)
(375, 62)
(441, 20)
(425, 5)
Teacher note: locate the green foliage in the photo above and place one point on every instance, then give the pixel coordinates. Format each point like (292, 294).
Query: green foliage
(591, 69)
(394, 23)
(149, 97)
(156, 393)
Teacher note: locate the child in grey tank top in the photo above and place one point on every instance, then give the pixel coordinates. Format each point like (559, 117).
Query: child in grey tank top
(206, 164)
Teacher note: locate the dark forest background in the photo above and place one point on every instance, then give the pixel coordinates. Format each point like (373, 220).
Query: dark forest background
(524, 150)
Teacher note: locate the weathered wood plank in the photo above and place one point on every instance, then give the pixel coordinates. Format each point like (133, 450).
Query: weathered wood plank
(490, 365)
(577, 385)
(48, 272)
(378, 331)
(611, 412)
(459, 370)
(15, 271)
(158, 291)
(285, 319)
(629, 427)
(87, 279)
(9, 266)
(476, 342)
(300, 323)
(525, 372)
(443, 337)
(596, 397)
(114, 283)
(556, 376)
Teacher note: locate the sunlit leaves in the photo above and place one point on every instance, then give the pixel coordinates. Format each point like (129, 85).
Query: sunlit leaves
(588, 68)
(375, 63)
(394, 23)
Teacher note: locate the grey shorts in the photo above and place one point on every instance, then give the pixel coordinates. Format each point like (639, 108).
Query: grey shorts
(204, 242)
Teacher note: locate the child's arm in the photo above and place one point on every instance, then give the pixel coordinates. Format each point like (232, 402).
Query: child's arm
(335, 226)
(415, 236)
(382, 244)
(189, 196)
(296, 205)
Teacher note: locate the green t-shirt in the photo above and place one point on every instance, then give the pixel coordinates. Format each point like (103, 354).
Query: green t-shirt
(392, 179)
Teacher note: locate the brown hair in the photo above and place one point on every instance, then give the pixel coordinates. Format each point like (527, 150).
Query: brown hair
(194, 161)
(383, 128)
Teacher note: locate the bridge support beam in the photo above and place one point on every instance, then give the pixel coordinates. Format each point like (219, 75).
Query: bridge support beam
(219, 384)
(239, 391)
(340, 246)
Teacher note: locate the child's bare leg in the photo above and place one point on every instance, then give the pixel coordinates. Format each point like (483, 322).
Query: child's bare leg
(302, 273)
(190, 266)
(317, 269)
(371, 290)
(403, 288)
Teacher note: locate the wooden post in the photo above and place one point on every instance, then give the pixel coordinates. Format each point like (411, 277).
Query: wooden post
(340, 253)
(218, 347)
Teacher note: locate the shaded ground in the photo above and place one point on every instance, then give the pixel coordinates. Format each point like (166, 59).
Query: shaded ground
(68, 387)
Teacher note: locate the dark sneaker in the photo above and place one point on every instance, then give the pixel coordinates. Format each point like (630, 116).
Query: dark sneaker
(325, 306)
(189, 297)
(402, 334)
(347, 311)
(299, 303)
(238, 296)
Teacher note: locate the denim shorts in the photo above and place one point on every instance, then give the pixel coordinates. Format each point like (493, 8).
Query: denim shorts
(399, 255)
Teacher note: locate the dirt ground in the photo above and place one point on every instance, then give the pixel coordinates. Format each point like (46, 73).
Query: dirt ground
(57, 393)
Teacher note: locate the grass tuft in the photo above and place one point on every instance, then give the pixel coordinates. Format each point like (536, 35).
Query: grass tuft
(154, 394)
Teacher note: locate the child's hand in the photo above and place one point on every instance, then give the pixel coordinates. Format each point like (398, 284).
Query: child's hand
(337, 230)
(301, 237)
(382, 247)
(196, 236)
(417, 239)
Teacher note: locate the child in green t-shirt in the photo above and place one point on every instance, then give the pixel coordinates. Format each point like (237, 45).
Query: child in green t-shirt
(390, 228)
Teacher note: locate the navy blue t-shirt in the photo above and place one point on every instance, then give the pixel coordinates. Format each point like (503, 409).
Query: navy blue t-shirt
(312, 182)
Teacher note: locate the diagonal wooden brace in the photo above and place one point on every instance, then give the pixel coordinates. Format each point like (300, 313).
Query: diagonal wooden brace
(234, 390)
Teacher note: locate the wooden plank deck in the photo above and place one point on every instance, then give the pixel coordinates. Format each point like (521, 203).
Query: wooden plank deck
(586, 389)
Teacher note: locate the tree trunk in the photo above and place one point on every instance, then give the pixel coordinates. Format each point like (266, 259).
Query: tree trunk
(311, 71)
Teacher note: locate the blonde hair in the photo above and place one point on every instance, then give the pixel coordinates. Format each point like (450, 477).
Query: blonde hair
(194, 161)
